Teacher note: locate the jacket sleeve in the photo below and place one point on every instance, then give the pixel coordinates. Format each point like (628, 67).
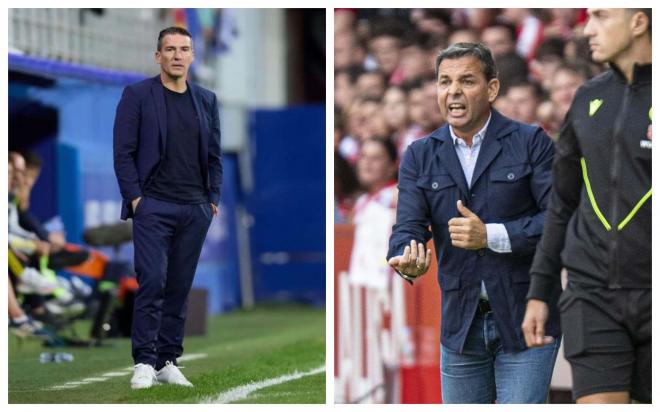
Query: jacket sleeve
(215, 155)
(125, 144)
(412, 214)
(524, 233)
(564, 199)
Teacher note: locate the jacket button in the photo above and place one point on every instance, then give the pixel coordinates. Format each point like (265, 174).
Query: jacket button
(434, 185)
(510, 176)
(481, 252)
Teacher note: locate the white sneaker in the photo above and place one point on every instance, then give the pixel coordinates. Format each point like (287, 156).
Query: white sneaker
(170, 373)
(32, 281)
(144, 376)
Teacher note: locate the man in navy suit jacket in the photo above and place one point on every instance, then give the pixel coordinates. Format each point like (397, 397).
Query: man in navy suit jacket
(168, 165)
(481, 184)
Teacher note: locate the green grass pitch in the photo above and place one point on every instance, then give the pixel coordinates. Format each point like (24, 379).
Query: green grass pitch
(241, 347)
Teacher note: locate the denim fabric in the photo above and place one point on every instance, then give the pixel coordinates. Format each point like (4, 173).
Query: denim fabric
(484, 373)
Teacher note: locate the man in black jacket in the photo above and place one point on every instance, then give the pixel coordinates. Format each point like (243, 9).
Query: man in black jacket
(598, 223)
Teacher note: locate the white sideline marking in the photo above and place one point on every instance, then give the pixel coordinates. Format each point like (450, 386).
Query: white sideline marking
(95, 379)
(243, 391)
(113, 374)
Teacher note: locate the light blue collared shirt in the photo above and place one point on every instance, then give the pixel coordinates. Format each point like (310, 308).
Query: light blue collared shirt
(498, 238)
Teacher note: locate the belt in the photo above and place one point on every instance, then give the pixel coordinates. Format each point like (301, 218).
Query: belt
(484, 307)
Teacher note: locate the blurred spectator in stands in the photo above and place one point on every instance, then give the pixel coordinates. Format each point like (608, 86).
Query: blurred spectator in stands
(385, 46)
(376, 172)
(370, 85)
(346, 189)
(435, 23)
(344, 20)
(479, 18)
(430, 85)
(565, 82)
(349, 52)
(549, 57)
(523, 99)
(415, 63)
(466, 35)
(511, 68)
(529, 30)
(500, 38)
(344, 87)
(395, 110)
(420, 114)
(563, 23)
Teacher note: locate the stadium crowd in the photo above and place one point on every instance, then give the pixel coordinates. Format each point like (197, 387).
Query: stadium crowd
(385, 82)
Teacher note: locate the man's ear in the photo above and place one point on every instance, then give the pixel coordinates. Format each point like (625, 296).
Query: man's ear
(493, 89)
(639, 23)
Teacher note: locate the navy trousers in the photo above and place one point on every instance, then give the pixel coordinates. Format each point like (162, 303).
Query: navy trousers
(168, 239)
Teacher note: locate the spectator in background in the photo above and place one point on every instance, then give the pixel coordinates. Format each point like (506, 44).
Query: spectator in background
(511, 68)
(344, 87)
(563, 85)
(529, 29)
(395, 110)
(370, 85)
(415, 63)
(385, 46)
(349, 53)
(434, 22)
(421, 116)
(479, 18)
(523, 99)
(344, 20)
(465, 35)
(346, 189)
(376, 172)
(500, 38)
(549, 57)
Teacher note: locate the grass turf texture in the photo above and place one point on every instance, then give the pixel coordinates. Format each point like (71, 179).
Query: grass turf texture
(242, 347)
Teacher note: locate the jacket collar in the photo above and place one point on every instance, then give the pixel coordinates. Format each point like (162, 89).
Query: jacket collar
(641, 73)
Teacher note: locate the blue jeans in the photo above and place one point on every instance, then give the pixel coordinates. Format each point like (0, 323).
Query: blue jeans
(483, 373)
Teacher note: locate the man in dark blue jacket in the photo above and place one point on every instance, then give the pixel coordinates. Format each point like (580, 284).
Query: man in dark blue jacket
(168, 165)
(481, 183)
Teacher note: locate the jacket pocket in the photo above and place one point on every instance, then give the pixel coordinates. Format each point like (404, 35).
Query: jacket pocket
(441, 193)
(509, 192)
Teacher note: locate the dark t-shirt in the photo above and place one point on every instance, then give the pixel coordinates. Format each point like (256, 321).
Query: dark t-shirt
(179, 176)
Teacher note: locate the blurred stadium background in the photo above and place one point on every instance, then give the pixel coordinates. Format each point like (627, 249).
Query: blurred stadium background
(67, 70)
(387, 333)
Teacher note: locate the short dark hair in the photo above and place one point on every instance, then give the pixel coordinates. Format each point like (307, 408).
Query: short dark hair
(508, 27)
(32, 160)
(478, 50)
(172, 30)
(535, 88)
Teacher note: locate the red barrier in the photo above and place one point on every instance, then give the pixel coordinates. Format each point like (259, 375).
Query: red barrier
(418, 372)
